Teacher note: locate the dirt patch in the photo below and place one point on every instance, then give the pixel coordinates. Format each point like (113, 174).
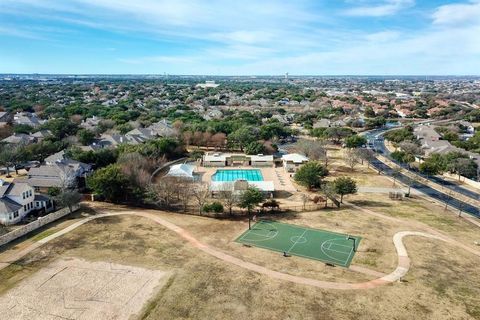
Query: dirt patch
(79, 289)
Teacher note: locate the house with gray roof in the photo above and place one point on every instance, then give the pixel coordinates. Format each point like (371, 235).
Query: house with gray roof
(58, 171)
(19, 139)
(4, 118)
(27, 118)
(17, 199)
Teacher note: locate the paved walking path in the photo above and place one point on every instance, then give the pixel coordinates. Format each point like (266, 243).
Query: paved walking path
(397, 274)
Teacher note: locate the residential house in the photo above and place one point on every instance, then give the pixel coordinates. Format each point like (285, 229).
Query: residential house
(90, 123)
(58, 171)
(4, 118)
(426, 132)
(41, 135)
(19, 139)
(19, 199)
(27, 118)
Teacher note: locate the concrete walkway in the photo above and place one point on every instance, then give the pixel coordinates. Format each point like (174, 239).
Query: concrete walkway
(397, 274)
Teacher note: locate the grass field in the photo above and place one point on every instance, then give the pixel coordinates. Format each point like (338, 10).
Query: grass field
(326, 246)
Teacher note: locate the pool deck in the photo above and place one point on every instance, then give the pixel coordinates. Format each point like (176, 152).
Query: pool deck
(281, 178)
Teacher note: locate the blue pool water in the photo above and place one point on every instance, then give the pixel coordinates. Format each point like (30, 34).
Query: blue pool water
(232, 175)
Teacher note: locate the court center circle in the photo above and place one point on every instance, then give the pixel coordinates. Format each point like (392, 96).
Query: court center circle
(298, 239)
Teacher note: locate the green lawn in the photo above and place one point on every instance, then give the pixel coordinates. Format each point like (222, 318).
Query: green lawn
(326, 246)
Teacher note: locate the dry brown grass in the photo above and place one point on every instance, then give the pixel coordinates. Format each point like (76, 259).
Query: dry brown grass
(443, 282)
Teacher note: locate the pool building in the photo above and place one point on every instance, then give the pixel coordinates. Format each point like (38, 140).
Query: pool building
(226, 160)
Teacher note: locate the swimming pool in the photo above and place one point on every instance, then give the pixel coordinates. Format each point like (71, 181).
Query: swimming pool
(241, 174)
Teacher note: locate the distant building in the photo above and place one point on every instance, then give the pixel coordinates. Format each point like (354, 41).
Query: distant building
(90, 123)
(19, 139)
(27, 118)
(207, 84)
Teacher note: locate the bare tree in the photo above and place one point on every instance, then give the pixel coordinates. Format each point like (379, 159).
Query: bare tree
(229, 199)
(396, 173)
(313, 149)
(200, 192)
(351, 158)
(184, 188)
(165, 191)
(328, 189)
(365, 155)
(305, 199)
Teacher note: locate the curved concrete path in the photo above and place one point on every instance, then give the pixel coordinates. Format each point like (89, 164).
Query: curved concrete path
(397, 274)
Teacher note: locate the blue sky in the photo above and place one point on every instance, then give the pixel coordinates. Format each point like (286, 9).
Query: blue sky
(248, 37)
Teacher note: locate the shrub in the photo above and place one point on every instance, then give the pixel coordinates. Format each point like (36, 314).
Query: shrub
(216, 207)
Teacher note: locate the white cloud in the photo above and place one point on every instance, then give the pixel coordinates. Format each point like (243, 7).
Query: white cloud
(457, 14)
(386, 8)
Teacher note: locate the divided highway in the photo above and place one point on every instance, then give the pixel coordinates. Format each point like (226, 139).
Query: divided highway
(374, 137)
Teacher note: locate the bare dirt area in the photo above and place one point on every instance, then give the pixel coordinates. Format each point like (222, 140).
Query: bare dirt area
(78, 289)
(443, 282)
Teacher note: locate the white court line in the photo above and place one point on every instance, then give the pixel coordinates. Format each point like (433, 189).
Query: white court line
(268, 236)
(293, 245)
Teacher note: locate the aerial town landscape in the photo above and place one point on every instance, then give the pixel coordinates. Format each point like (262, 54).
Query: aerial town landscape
(155, 195)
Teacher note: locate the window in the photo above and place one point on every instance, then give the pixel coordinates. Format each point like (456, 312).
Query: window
(23, 195)
(15, 214)
(37, 203)
(30, 192)
(25, 208)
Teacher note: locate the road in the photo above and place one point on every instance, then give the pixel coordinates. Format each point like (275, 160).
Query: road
(379, 144)
(374, 136)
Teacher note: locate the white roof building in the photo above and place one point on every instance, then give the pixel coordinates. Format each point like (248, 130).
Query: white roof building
(181, 171)
(264, 186)
(294, 157)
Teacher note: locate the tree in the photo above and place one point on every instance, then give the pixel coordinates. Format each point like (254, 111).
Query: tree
(61, 128)
(344, 186)
(271, 204)
(351, 158)
(254, 147)
(200, 192)
(242, 137)
(310, 175)
(434, 164)
(328, 189)
(315, 150)
(228, 198)
(338, 134)
(249, 199)
(10, 155)
(365, 155)
(109, 182)
(396, 173)
(68, 198)
(85, 136)
(465, 167)
(355, 141)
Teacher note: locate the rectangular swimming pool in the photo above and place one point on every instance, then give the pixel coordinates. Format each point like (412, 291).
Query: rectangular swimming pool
(239, 174)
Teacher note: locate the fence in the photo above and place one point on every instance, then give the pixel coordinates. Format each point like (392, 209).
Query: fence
(40, 222)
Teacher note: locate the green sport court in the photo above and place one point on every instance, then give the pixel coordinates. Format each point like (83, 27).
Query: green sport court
(326, 246)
